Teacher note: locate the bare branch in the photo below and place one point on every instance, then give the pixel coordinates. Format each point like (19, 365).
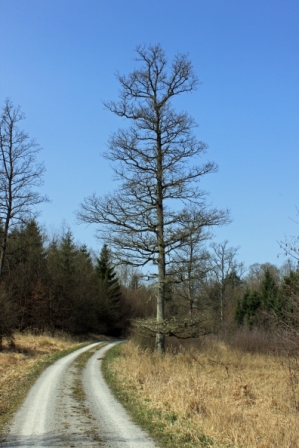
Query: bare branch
(19, 173)
(157, 161)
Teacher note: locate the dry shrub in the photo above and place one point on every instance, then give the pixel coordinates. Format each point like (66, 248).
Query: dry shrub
(237, 398)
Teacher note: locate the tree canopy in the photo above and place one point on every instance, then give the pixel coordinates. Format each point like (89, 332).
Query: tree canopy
(157, 161)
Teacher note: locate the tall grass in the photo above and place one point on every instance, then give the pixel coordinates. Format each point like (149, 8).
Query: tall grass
(237, 398)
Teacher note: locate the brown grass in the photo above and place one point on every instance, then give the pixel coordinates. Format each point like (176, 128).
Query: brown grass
(236, 398)
(17, 362)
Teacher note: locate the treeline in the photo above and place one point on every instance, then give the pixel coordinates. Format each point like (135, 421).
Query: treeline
(271, 298)
(58, 285)
(54, 284)
(51, 284)
(261, 297)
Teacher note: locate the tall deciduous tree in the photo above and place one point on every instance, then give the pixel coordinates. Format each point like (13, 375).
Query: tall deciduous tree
(20, 173)
(156, 161)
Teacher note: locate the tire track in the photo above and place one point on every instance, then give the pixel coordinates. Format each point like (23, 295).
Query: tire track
(48, 416)
(115, 426)
(52, 415)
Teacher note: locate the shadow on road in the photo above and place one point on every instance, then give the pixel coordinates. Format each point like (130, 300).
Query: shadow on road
(51, 439)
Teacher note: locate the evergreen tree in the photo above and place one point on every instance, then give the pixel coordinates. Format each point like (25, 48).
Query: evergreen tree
(62, 280)
(109, 290)
(107, 275)
(73, 291)
(248, 307)
(23, 274)
(256, 302)
(288, 299)
(269, 291)
(233, 279)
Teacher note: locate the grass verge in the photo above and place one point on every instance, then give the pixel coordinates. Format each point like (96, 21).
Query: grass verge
(166, 427)
(238, 399)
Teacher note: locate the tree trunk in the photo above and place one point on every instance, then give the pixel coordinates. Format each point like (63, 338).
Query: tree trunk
(4, 245)
(160, 338)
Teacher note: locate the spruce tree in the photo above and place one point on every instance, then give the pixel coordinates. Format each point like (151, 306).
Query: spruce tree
(106, 274)
(109, 289)
(248, 307)
(269, 291)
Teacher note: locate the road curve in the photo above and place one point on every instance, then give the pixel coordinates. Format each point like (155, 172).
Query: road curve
(51, 417)
(115, 427)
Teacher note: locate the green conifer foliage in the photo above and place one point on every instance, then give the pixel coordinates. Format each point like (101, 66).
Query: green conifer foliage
(23, 274)
(71, 287)
(288, 299)
(248, 308)
(256, 301)
(269, 291)
(107, 276)
(109, 288)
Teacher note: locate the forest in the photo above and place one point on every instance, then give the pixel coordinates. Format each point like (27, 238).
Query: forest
(51, 285)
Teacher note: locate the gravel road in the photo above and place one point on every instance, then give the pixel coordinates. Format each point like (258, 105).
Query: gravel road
(52, 416)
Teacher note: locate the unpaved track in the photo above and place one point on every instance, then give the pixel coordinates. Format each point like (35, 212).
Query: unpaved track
(114, 425)
(51, 417)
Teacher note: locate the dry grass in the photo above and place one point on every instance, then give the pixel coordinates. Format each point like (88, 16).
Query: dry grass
(236, 398)
(17, 362)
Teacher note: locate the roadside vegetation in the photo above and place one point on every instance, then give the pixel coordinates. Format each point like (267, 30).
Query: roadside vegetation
(210, 392)
(22, 363)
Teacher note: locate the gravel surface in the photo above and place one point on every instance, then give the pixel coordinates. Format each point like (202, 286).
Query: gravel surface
(115, 426)
(51, 416)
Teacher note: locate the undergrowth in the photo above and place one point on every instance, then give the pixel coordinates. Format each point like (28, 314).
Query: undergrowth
(164, 425)
(233, 397)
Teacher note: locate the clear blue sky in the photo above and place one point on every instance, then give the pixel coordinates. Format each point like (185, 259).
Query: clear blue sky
(58, 59)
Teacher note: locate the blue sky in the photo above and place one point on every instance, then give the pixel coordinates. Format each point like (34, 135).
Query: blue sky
(58, 59)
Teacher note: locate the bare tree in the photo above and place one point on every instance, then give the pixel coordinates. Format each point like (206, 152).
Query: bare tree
(19, 174)
(256, 274)
(153, 160)
(190, 266)
(224, 267)
(290, 246)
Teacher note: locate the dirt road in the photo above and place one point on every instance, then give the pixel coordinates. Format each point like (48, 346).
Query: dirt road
(51, 415)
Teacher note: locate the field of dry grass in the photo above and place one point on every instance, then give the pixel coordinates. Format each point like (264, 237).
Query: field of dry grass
(237, 399)
(19, 366)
